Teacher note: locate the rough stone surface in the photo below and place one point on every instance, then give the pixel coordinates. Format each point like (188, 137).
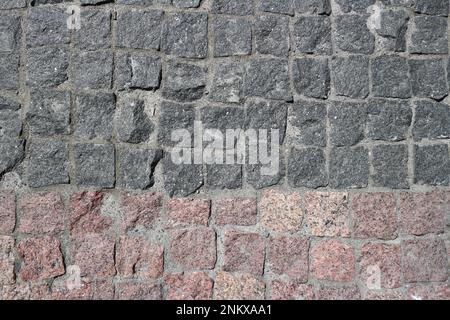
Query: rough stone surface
(391, 77)
(93, 70)
(137, 167)
(432, 121)
(307, 124)
(10, 124)
(138, 71)
(348, 123)
(189, 286)
(234, 7)
(238, 287)
(138, 291)
(184, 82)
(236, 211)
(432, 165)
(428, 79)
(47, 25)
(349, 168)
(289, 255)
(390, 166)
(11, 153)
(272, 35)
(132, 123)
(95, 165)
(351, 76)
(307, 168)
(227, 83)
(352, 34)
(47, 67)
(182, 180)
(312, 35)
(95, 31)
(311, 77)
(140, 210)
(429, 35)
(232, 37)
(7, 211)
(183, 211)
(6, 260)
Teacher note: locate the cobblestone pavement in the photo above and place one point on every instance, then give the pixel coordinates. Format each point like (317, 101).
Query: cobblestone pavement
(93, 207)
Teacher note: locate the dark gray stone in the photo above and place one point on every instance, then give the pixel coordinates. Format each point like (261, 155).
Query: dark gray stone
(232, 7)
(9, 70)
(392, 28)
(186, 3)
(223, 118)
(389, 120)
(349, 168)
(312, 35)
(137, 71)
(93, 70)
(132, 123)
(140, 2)
(268, 115)
(307, 124)
(47, 25)
(174, 117)
(428, 78)
(9, 104)
(227, 83)
(10, 124)
(258, 180)
(432, 121)
(268, 78)
(10, 33)
(351, 76)
(184, 82)
(432, 165)
(93, 2)
(11, 154)
(136, 168)
(307, 168)
(272, 35)
(232, 37)
(358, 6)
(352, 34)
(277, 6)
(390, 166)
(225, 176)
(95, 32)
(95, 115)
(312, 6)
(185, 35)
(49, 113)
(181, 179)
(12, 4)
(47, 67)
(391, 77)
(347, 122)
(95, 165)
(311, 77)
(139, 29)
(429, 35)
(432, 7)
(47, 164)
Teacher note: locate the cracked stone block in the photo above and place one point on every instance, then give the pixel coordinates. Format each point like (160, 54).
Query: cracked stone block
(93, 70)
(227, 83)
(348, 123)
(428, 78)
(95, 31)
(391, 77)
(307, 168)
(11, 153)
(358, 6)
(132, 123)
(268, 78)
(432, 165)
(349, 168)
(175, 117)
(352, 34)
(181, 179)
(311, 77)
(8, 212)
(269, 116)
(138, 71)
(374, 216)
(312, 35)
(47, 25)
(424, 260)
(185, 35)
(272, 35)
(95, 114)
(13, 4)
(223, 176)
(332, 260)
(244, 252)
(7, 260)
(232, 37)
(189, 286)
(429, 35)
(184, 82)
(10, 124)
(95, 165)
(49, 113)
(9, 69)
(193, 248)
(136, 168)
(47, 67)
(389, 120)
(422, 213)
(351, 76)
(392, 28)
(312, 6)
(431, 7)
(232, 7)
(432, 121)
(236, 211)
(139, 29)
(48, 164)
(10, 33)
(289, 255)
(41, 258)
(390, 166)
(281, 212)
(230, 286)
(307, 124)
(9, 104)
(277, 6)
